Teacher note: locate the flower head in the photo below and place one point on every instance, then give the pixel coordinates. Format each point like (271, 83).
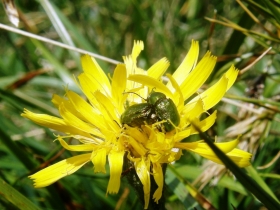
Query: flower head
(121, 117)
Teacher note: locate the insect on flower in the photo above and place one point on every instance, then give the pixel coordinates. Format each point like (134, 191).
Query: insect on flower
(95, 123)
(158, 108)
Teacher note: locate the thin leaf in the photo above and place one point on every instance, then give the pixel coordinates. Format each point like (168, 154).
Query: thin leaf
(15, 197)
(244, 179)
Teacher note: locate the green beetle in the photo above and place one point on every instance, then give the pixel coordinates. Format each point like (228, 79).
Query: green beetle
(165, 109)
(157, 108)
(137, 114)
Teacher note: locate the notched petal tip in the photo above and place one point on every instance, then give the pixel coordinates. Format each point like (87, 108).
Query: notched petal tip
(137, 48)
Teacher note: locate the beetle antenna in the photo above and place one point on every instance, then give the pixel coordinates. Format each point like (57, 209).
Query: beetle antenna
(135, 94)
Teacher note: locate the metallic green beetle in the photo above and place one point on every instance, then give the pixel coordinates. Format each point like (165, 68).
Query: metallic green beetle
(157, 108)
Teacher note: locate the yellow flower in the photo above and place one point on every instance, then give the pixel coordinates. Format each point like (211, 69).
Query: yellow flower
(97, 126)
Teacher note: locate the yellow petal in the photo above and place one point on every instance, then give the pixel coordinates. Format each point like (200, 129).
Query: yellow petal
(75, 122)
(205, 124)
(143, 171)
(131, 68)
(241, 158)
(178, 95)
(137, 48)
(108, 111)
(193, 110)
(198, 75)
(152, 83)
(91, 67)
(77, 148)
(158, 176)
(158, 69)
(116, 165)
(203, 148)
(119, 86)
(89, 86)
(88, 112)
(99, 160)
(139, 148)
(231, 74)
(187, 64)
(136, 134)
(182, 134)
(215, 93)
(53, 123)
(61, 169)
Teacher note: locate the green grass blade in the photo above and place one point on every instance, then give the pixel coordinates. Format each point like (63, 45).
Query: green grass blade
(16, 150)
(273, 9)
(15, 197)
(59, 27)
(243, 178)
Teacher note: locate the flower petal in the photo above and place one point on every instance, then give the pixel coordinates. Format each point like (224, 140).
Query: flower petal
(187, 64)
(108, 110)
(198, 75)
(53, 123)
(205, 124)
(138, 46)
(241, 158)
(61, 169)
(143, 171)
(203, 148)
(89, 113)
(231, 74)
(98, 159)
(158, 69)
(77, 148)
(152, 83)
(119, 86)
(177, 94)
(57, 100)
(215, 93)
(158, 176)
(139, 148)
(77, 123)
(92, 68)
(192, 110)
(116, 165)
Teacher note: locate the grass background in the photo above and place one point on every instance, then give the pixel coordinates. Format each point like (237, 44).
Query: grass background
(108, 28)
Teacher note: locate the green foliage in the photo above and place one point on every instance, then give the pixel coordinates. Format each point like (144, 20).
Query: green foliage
(167, 28)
